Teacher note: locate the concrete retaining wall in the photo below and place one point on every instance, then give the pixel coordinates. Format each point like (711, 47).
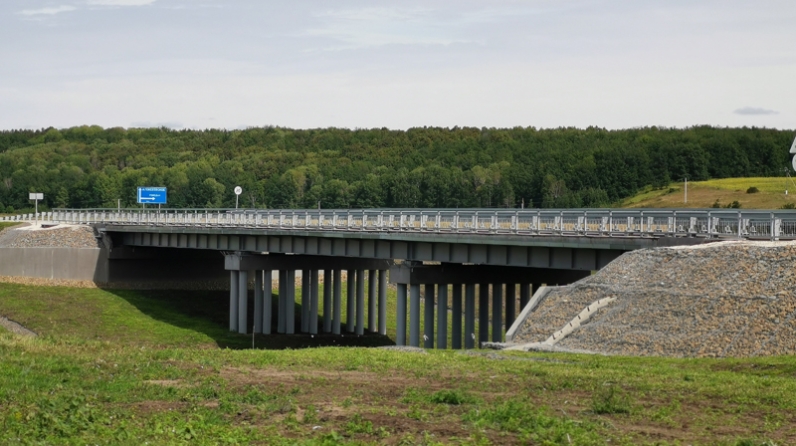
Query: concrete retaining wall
(55, 263)
(141, 268)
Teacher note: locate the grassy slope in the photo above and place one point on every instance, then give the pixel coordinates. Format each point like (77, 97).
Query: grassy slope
(132, 367)
(702, 194)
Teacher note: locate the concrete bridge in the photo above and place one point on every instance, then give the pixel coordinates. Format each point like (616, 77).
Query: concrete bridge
(464, 261)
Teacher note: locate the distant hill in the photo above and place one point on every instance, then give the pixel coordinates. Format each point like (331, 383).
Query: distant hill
(749, 193)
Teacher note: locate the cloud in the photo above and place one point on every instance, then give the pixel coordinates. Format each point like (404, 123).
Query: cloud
(755, 111)
(373, 27)
(47, 11)
(120, 2)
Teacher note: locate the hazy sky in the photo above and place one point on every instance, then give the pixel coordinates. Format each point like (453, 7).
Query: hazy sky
(239, 63)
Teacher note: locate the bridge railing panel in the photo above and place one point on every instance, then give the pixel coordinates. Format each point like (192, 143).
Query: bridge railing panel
(567, 222)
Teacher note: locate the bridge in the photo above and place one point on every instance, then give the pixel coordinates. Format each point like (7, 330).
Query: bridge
(473, 260)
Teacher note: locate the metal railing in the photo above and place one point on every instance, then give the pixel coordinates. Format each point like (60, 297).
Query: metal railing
(751, 224)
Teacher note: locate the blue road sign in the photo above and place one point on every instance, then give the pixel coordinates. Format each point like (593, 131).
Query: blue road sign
(152, 195)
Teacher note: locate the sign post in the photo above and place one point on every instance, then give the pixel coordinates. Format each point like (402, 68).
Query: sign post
(36, 196)
(151, 195)
(238, 191)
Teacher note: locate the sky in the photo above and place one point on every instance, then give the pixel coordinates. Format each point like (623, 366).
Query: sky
(364, 64)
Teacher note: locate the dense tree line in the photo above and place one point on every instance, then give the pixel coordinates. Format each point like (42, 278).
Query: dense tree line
(421, 167)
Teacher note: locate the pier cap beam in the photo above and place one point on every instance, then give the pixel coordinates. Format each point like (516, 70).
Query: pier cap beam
(245, 262)
(455, 274)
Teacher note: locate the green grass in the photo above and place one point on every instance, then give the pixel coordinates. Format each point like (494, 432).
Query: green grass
(703, 194)
(135, 367)
(7, 224)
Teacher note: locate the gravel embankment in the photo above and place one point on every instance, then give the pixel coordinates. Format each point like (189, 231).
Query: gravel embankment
(721, 299)
(62, 236)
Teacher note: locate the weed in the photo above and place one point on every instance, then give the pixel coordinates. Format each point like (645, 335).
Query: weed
(534, 425)
(752, 190)
(332, 438)
(310, 415)
(452, 397)
(416, 413)
(610, 399)
(358, 425)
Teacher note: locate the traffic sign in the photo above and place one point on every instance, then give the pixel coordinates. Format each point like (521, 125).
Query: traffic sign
(36, 196)
(238, 190)
(152, 195)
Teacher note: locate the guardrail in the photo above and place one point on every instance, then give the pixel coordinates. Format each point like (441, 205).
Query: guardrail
(751, 224)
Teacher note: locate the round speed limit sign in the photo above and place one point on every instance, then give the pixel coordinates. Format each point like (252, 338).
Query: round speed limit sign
(238, 190)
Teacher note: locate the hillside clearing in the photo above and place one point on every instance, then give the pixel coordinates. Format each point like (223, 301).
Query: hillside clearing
(703, 194)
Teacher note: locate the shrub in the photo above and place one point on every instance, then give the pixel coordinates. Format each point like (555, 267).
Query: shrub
(716, 204)
(752, 190)
(788, 206)
(734, 205)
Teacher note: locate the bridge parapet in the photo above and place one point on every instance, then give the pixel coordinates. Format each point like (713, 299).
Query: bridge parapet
(710, 223)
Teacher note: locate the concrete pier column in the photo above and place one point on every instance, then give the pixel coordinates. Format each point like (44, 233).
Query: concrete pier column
(469, 315)
(483, 312)
(525, 294)
(360, 328)
(442, 317)
(350, 319)
(497, 312)
(414, 315)
(305, 301)
(372, 311)
(267, 301)
(314, 301)
(428, 320)
(233, 300)
(327, 301)
(280, 302)
(511, 304)
(280, 311)
(383, 303)
(400, 328)
(258, 301)
(337, 301)
(290, 302)
(456, 317)
(243, 301)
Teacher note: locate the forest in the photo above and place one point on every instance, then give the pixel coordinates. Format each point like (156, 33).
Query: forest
(90, 166)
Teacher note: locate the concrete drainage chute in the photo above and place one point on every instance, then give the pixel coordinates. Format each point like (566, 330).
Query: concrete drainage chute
(571, 326)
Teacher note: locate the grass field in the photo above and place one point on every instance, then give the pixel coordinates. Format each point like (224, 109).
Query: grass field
(703, 194)
(132, 367)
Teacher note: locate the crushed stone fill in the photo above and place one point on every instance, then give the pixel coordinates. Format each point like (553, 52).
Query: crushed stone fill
(721, 299)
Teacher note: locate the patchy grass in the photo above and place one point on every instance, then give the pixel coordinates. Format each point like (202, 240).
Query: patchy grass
(9, 224)
(134, 368)
(703, 194)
